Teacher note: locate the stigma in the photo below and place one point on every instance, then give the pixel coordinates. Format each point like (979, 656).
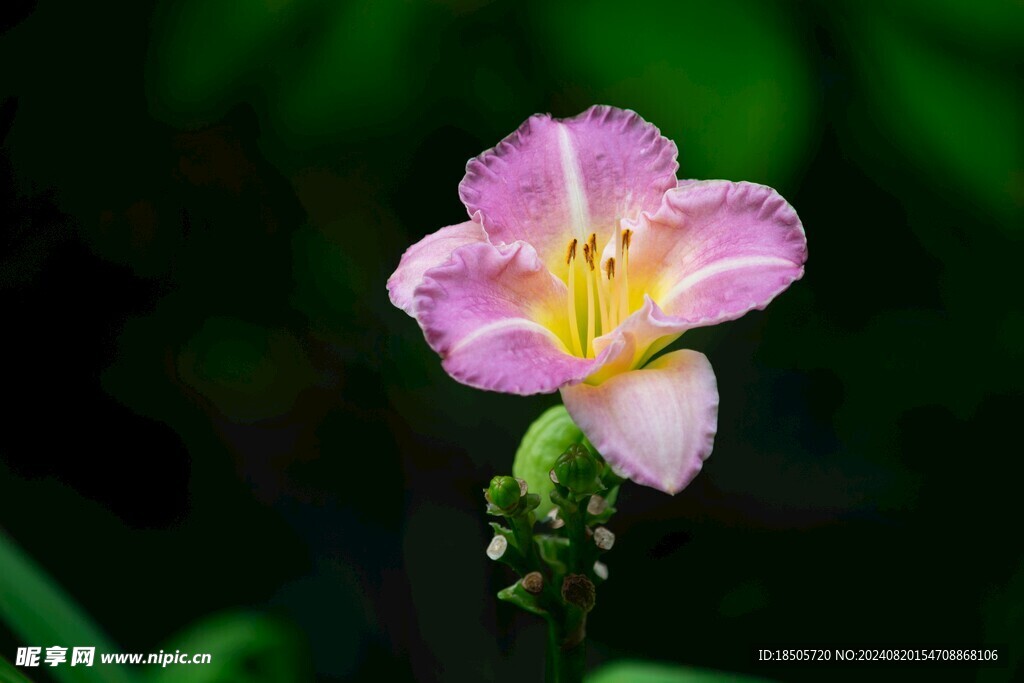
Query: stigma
(604, 302)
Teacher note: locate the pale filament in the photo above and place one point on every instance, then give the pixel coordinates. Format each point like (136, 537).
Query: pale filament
(607, 291)
(574, 329)
(609, 310)
(622, 284)
(588, 254)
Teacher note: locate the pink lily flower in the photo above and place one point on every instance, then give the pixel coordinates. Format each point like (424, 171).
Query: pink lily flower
(583, 258)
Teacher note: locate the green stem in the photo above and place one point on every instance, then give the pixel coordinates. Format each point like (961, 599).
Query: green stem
(567, 648)
(522, 532)
(576, 528)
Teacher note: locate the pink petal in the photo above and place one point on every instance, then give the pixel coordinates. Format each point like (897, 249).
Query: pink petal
(715, 250)
(656, 425)
(432, 250)
(497, 318)
(645, 332)
(555, 179)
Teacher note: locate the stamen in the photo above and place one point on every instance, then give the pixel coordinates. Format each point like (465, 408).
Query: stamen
(607, 290)
(623, 286)
(608, 305)
(616, 297)
(595, 257)
(588, 254)
(574, 328)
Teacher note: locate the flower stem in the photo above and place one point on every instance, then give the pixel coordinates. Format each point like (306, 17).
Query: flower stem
(576, 526)
(522, 531)
(567, 648)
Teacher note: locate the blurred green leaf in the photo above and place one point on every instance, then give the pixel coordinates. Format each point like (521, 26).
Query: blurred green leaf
(726, 80)
(647, 672)
(545, 440)
(40, 614)
(9, 674)
(959, 122)
(243, 647)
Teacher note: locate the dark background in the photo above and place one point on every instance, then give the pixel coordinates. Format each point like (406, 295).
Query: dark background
(211, 405)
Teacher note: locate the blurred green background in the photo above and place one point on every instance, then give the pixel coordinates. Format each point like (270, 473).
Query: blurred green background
(201, 200)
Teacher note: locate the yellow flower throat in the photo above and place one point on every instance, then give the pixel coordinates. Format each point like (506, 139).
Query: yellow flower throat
(607, 292)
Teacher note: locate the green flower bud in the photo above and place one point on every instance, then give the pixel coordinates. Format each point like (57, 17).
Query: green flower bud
(577, 470)
(504, 492)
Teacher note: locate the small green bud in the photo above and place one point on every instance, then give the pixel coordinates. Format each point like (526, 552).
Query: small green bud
(579, 591)
(577, 470)
(504, 492)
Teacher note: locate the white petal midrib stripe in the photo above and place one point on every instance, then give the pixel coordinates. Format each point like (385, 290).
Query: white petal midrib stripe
(737, 263)
(575, 192)
(502, 325)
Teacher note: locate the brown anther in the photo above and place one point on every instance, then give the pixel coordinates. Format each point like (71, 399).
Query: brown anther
(627, 237)
(609, 268)
(570, 252)
(588, 255)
